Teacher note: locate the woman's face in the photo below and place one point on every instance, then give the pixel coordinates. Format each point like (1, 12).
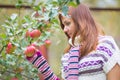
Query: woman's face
(69, 26)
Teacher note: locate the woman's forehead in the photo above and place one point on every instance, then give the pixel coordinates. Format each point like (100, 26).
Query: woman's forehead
(65, 18)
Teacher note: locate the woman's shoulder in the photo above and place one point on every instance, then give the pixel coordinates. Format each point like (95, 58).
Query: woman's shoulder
(107, 41)
(105, 37)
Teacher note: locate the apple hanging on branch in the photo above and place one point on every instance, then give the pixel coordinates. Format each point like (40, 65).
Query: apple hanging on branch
(47, 43)
(27, 33)
(30, 51)
(10, 48)
(35, 33)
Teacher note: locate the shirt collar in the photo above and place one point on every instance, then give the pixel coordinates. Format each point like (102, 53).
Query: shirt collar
(76, 41)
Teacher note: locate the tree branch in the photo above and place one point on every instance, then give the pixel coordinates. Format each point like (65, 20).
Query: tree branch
(21, 74)
(2, 49)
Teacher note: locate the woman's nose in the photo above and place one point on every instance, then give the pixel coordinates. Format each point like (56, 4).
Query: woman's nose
(65, 29)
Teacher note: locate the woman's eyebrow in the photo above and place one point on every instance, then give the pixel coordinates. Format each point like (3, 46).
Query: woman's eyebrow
(65, 21)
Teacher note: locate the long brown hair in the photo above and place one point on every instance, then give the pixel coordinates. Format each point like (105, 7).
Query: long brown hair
(86, 26)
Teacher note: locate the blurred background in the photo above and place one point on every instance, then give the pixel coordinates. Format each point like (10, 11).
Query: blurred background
(105, 12)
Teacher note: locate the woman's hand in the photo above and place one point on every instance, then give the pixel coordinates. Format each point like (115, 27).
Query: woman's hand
(114, 74)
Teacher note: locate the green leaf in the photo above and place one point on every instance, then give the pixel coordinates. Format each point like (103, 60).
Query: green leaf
(24, 43)
(46, 17)
(55, 21)
(47, 33)
(14, 41)
(13, 16)
(2, 35)
(65, 10)
(59, 2)
(3, 54)
(72, 4)
(53, 13)
(39, 25)
(27, 19)
(55, 2)
(19, 4)
(78, 1)
(9, 19)
(18, 75)
(19, 31)
(7, 23)
(50, 14)
(10, 32)
(36, 8)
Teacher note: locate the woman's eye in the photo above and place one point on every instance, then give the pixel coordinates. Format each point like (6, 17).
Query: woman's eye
(67, 23)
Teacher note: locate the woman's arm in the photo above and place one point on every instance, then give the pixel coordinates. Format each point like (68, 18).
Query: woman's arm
(40, 62)
(114, 74)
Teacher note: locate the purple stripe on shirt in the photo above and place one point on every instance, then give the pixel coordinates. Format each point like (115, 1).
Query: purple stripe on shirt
(90, 63)
(96, 55)
(105, 49)
(91, 71)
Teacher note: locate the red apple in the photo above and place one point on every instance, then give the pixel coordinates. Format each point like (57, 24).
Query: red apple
(36, 14)
(10, 48)
(47, 42)
(35, 33)
(30, 50)
(43, 9)
(27, 33)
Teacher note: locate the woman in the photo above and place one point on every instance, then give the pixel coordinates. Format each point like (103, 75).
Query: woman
(90, 55)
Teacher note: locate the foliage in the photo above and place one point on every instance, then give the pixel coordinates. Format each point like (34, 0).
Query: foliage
(43, 18)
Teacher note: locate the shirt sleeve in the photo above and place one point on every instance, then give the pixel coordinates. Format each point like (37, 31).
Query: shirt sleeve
(73, 69)
(41, 64)
(110, 52)
(62, 73)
